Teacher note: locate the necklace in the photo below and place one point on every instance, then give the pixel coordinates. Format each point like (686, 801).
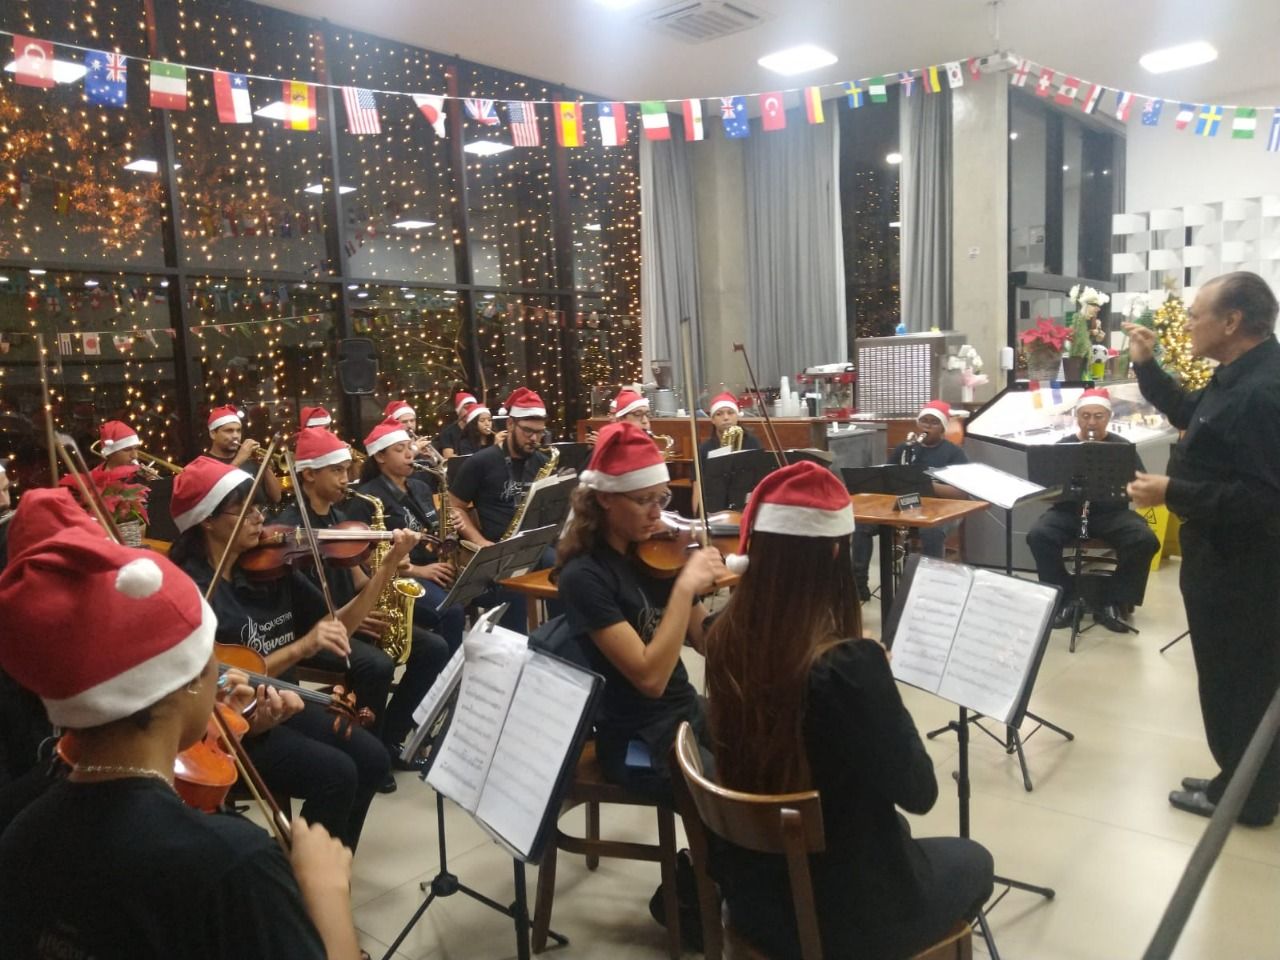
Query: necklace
(127, 771)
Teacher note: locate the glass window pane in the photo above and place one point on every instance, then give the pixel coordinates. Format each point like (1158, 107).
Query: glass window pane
(520, 345)
(1026, 186)
(1072, 167)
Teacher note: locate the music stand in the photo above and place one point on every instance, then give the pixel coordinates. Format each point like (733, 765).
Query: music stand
(548, 504)
(453, 465)
(506, 558)
(888, 478)
(574, 455)
(161, 525)
(728, 479)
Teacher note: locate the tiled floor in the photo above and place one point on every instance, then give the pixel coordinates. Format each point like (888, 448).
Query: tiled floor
(1097, 828)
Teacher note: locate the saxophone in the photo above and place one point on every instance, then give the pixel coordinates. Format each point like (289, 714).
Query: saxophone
(548, 468)
(732, 438)
(395, 602)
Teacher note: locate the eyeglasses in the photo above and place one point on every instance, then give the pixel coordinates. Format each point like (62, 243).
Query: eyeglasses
(659, 500)
(530, 433)
(235, 511)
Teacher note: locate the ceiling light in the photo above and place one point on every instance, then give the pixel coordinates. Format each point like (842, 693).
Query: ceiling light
(164, 283)
(319, 188)
(143, 165)
(489, 296)
(273, 111)
(353, 286)
(1178, 58)
(37, 271)
(617, 4)
(414, 224)
(1013, 134)
(362, 294)
(4, 279)
(893, 159)
(91, 283)
(411, 296)
(895, 224)
(487, 148)
(64, 71)
(593, 227)
(1066, 167)
(799, 59)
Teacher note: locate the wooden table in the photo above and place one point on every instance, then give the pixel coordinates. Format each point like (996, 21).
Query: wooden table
(878, 508)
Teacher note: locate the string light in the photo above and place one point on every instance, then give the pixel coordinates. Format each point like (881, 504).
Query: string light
(1170, 323)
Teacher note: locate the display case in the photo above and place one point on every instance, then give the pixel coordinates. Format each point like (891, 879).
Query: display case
(1000, 432)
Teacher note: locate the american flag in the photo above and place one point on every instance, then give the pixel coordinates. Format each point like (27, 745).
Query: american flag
(481, 111)
(1273, 140)
(524, 123)
(362, 111)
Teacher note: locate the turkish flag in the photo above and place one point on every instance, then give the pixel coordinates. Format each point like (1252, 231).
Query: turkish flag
(773, 111)
(33, 61)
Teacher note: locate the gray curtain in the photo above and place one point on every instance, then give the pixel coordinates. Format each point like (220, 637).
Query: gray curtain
(795, 259)
(669, 255)
(925, 124)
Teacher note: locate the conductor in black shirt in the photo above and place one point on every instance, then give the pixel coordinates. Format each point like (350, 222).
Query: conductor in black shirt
(1224, 484)
(1110, 521)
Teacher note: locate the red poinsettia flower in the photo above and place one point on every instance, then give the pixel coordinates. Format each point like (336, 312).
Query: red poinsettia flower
(1046, 333)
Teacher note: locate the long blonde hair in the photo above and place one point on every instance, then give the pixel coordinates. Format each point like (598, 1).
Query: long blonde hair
(585, 530)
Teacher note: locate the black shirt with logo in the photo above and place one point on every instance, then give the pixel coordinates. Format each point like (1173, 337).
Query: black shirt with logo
(342, 585)
(495, 483)
(414, 509)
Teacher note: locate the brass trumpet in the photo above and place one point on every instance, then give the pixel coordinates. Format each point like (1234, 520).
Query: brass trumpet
(148, 460)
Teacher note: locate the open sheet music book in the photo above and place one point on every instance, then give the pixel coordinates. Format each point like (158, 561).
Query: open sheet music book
(546, 502)
(518, 724)
(971, 636)
(1005, 490)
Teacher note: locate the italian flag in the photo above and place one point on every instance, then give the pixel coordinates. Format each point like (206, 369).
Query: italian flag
(653, 114)
(168, 86)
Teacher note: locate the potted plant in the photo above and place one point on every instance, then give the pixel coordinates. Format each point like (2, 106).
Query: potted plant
(124, 500)
(1042, 345)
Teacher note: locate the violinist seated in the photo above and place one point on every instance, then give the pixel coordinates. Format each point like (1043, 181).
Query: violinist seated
(322, 461)
(387, 475)
(332, 765)
(1112, 522)
(109, 862)
(228, 445)
(930, 449)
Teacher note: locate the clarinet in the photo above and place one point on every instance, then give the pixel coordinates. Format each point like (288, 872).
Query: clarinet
(910, 449)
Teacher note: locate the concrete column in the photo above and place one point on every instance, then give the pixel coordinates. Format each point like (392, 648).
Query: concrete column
(719, 175)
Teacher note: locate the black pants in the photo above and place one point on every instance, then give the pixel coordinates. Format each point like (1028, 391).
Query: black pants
(333, 774)
(1233, 610)
(1123, 531)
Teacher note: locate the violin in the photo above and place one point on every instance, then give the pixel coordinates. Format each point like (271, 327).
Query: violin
(666, 551)
(282, 547)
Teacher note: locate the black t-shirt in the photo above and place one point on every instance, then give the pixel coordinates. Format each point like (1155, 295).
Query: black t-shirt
(495, 482)
(749, 442)
(602, 588)
(866, 758)
(342, 585)
(244, 467)
(123, 869)
(942, 454)
(414, 509)
(1098, 506)
(448, 438)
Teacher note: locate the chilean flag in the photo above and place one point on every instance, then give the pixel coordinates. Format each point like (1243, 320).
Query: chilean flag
(612, 118)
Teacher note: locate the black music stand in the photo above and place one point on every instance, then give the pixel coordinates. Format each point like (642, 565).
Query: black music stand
(548, 505)
(453, 465)
(729, 478)
(888, 478)
(574, 455)
(506, 558)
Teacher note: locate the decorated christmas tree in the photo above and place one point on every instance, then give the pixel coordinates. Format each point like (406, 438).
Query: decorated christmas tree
(593, 366)
(1170, 322)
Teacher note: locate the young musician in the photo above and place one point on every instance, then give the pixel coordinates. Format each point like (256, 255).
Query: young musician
(816, 708)
(1111, 521)
(285, 621)
(113, 864)
(118, 444)
(447, 440)
(636, 623)
(227, 444)
(408, 418)
(322, 463)
(724, 414)
(930, 448)
(631, 407)
(315, 417)
(477, 431)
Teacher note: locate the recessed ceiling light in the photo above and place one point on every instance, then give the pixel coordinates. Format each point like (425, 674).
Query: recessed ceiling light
(64, 71)
(411, 296)
(319, 188)
(593, 227)
(617, 4)
(893, 159)
(799, 59)
(362, 294)
(143, 165)
(895, 224)
(164, 283)
(353, 286)
(1066, 167)
(37, 271)
(1013, 134)
(489, 296)
(487, 148)
(414, 224)
(4, 279)
(1178, 58)
(91, 283)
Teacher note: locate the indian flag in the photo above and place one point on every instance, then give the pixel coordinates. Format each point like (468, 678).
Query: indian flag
(1244, 123)
(653, 114)
(168, 85)
(813, 104)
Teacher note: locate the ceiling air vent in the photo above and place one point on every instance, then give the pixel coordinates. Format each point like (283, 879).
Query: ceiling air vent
(697, 21)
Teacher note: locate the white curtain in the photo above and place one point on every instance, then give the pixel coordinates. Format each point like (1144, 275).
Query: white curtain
(925, 122)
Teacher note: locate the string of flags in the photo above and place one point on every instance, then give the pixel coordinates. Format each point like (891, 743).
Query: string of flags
(106, 75)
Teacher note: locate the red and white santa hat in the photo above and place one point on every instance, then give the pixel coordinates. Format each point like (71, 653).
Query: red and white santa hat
(200, 487)
(800, 500)
(725, 401)
(153, 634)
(314, 417)
(44, 512)
(116, 435)
(386, 434)
(462, 400)
(399, 410)
(318, 447)
(1095, 397)
(625, 458)
(940, 410)
(628, 401)
(221, 416)
(473, 411)
(524, 404)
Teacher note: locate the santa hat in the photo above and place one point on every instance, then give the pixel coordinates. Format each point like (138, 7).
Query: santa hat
(318, 447)
(386, 434)
(524, 404)
(462, 400)
(314, 417)
(398, 410)
(475, 410)
(153, 631)
(940, 410)
(1095, 397)
(726, 401)
(625, 458)
(43, 513)
(221, 416)
(115, 436)
(628, 401)
(200, 487)
(800, 500)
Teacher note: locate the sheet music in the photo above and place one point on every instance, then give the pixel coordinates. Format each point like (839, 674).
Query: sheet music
(424, 714)
(544, 717)
(493, 661)
(987, 483)
(930, 618)
(996, 641)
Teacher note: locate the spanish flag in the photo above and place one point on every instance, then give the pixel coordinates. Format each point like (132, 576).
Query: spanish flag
(299, 105)
(568, 123)
(813, 103)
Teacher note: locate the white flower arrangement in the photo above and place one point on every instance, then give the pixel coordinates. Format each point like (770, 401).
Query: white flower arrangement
(1138, 306)
(1088, 295)
(970, 357)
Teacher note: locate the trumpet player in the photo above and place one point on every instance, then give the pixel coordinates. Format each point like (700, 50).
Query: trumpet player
(448, 440)
(408, 419)
(315, 417)
(118, 445)
(227, 444)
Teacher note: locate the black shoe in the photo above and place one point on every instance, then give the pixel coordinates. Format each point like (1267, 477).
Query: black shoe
(1063, 619)
(388, 785)
(687, 898)
(416, 765)
(1192, 801)
(864, 591)
(1196, 784)
(1109, 617)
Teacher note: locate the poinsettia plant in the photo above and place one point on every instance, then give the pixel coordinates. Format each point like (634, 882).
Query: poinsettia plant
(1045, 335)
(124, 499)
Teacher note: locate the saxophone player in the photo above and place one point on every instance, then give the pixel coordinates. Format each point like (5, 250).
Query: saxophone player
(322, 460)
(724, 417)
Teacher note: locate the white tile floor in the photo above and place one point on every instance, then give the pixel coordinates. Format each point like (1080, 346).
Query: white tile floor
(1097, 828)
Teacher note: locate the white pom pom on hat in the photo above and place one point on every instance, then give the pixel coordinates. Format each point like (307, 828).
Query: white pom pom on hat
(139, 578)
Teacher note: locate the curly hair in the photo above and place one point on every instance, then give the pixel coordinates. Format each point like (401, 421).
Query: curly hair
(584, 531)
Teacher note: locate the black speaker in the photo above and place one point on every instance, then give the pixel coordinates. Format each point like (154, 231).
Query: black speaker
(357, 366)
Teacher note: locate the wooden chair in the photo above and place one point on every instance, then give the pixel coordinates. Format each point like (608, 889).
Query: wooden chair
(786, 824)
(590, 788)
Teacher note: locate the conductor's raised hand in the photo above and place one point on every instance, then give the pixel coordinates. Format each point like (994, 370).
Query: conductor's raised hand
(700, 572)
(1142, 342)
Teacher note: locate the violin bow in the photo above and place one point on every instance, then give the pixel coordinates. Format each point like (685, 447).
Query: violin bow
(235, 531)
(89, 492)
(47, 403)
(764, 407)
(276, 820)
(686, 337)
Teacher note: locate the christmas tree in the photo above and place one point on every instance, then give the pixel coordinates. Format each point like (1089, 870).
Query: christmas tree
(1175, 345)
(593, 366)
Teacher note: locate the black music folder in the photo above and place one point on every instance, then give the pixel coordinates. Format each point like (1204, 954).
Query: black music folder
(890, 478)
